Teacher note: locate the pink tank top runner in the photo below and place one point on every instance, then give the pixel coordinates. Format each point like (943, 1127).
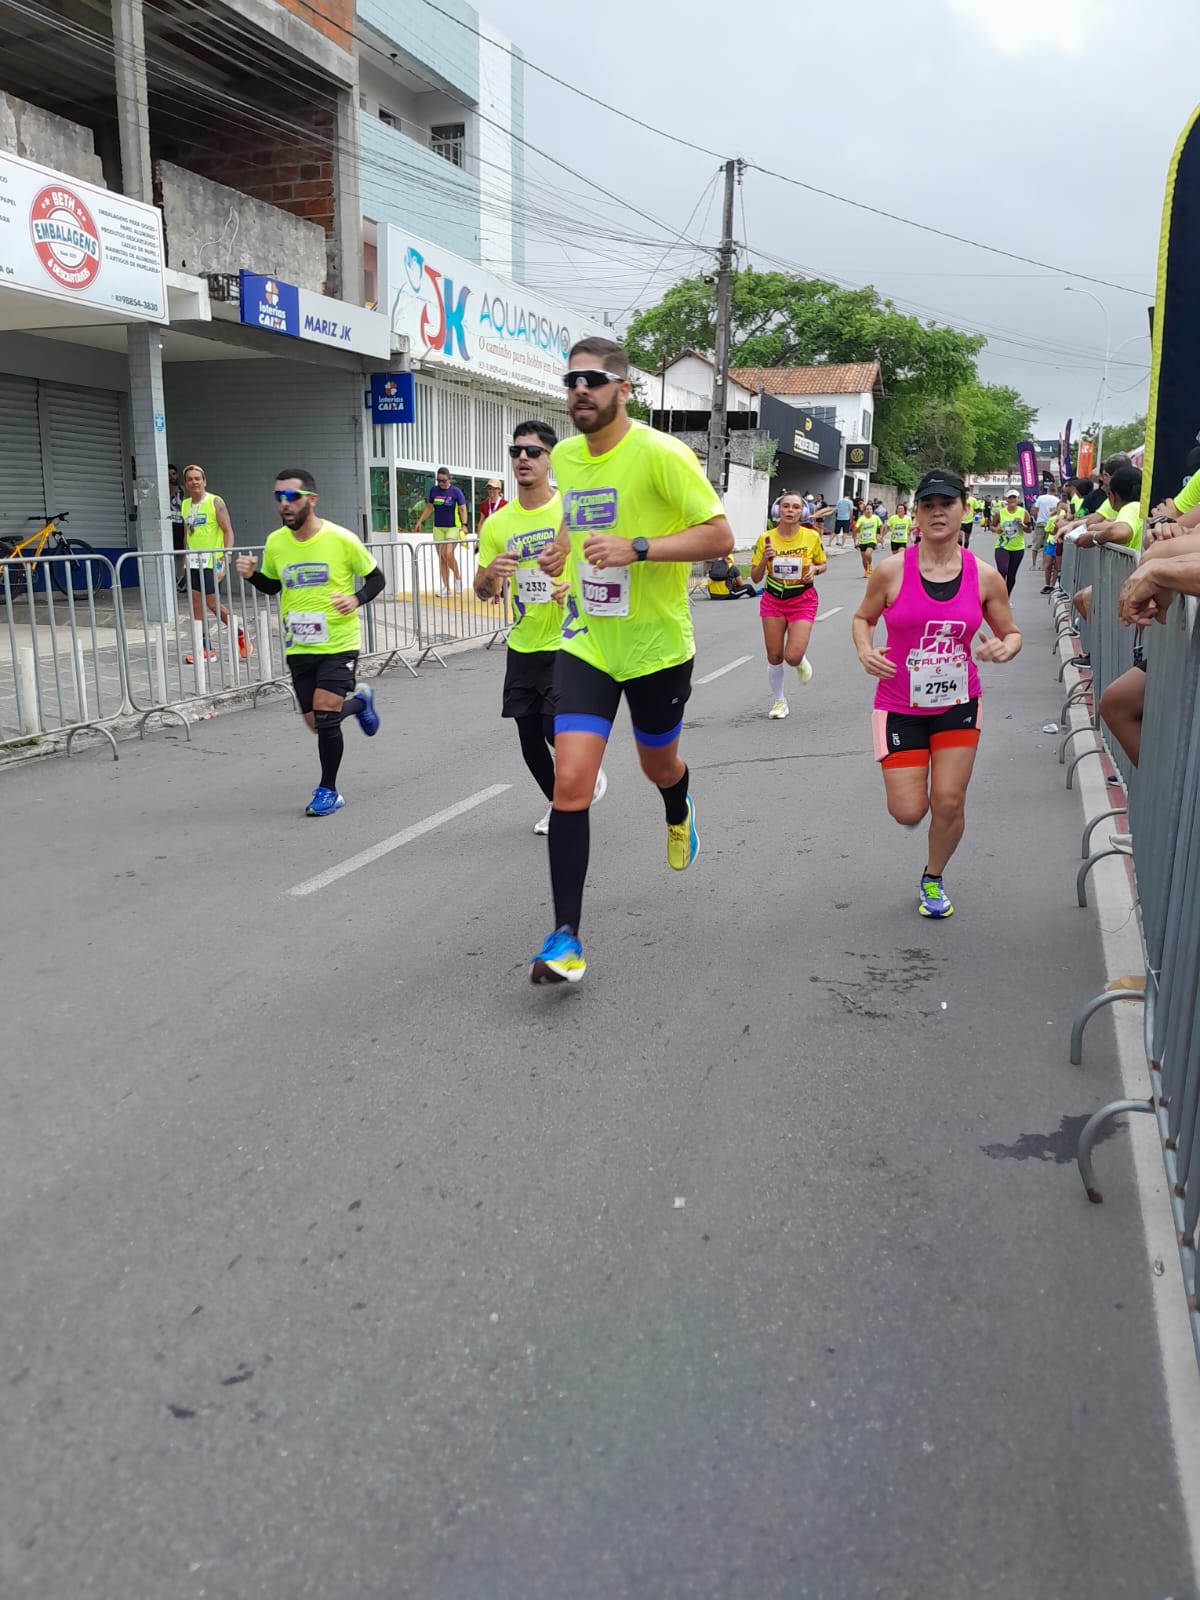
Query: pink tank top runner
(930, 642)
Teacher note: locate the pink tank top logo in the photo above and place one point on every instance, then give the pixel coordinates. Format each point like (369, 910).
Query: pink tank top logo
(930, 642)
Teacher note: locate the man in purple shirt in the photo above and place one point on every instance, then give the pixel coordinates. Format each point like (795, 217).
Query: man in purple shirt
(449, 506)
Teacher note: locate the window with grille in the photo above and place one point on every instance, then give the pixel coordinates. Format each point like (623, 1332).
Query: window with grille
(450, 142)
(826, 414)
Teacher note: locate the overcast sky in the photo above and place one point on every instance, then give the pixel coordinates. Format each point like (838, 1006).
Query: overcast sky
(1002, 120)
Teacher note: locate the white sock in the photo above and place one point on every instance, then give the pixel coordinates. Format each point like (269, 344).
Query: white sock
(775, 679)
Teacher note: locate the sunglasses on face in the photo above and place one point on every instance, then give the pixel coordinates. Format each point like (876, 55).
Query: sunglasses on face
(533, 451)
(290, 496)
(590, 378)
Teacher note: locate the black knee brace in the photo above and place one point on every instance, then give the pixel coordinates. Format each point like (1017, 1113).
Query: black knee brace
(327, 721)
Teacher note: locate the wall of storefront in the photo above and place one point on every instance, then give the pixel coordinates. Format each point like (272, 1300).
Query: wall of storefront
(64, 446)
(461, 425)
(244, 420)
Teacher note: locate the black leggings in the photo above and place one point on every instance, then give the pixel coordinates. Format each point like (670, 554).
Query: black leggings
(1008, 564)
(536, 734)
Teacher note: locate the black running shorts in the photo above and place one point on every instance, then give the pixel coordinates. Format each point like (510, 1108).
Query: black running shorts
(587, 700)
(529, 683)
(333, 672)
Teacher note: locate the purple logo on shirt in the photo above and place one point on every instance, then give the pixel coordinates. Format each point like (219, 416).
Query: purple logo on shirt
(590, 508)
(527, 546)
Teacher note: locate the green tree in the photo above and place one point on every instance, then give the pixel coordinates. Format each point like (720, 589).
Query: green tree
(934, 411)
(1120, 435)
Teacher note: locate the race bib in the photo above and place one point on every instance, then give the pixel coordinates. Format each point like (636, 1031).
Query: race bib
(788, 569)
(534, 588)
(937, 680)
(197, 559)
(606, 593)
(308, 627)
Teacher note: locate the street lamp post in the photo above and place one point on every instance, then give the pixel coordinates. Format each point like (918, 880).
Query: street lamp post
(1069, 288)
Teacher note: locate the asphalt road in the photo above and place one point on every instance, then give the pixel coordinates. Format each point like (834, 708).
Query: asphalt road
(338, 1261)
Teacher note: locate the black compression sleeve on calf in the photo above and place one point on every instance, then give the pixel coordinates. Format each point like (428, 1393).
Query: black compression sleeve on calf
(373, 584)
(675, 800)
(351, 706)
(570, 838)
(330, 746)
(532, 734)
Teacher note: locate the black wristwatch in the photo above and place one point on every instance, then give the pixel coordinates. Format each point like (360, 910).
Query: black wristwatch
(641, 548)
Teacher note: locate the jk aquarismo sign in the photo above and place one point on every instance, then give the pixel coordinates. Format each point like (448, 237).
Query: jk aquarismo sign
(456, 314)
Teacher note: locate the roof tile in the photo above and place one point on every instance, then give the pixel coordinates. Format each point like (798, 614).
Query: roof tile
(854, 377)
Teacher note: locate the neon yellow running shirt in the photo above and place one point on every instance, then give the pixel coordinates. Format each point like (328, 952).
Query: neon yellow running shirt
(525, 534)
(630, 621)
(312, 571)
(900, 529)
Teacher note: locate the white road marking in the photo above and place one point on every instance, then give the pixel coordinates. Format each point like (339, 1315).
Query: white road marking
(721, 671)
(405, 836)
(832, 612)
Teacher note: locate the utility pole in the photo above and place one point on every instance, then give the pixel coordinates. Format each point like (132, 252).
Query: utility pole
(718, 417)
(143, 340)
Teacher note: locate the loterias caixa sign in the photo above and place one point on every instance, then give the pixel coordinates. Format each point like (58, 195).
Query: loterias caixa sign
(459, 315)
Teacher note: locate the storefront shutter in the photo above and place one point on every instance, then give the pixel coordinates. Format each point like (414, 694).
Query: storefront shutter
(85, 468)
(21, 492)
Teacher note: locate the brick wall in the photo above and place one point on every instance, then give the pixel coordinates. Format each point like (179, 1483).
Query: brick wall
(333, 18)
(292, 170)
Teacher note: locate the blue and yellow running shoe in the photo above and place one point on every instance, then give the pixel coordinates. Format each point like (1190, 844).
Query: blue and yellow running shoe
(560, 960)
(683, 842)
(324, 803)
(934, 901)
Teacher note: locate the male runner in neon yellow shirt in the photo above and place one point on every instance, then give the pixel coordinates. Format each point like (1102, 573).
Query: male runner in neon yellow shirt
(312, 565)
(510, 542)
(637, 511)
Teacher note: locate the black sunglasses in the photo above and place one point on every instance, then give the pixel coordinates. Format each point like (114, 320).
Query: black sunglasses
(590, 377)
(533, 451)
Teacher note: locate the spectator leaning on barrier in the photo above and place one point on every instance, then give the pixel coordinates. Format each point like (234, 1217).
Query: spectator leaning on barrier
(1120, 522)
(1169, 567)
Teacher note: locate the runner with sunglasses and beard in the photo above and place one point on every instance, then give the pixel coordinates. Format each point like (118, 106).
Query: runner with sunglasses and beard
(637, 511)
(510, 542)
(312, 565)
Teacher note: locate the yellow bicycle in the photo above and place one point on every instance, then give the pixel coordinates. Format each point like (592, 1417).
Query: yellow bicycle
(73, 576)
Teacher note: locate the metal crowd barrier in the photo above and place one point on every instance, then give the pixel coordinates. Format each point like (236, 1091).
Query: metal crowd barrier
(189, 644)
(447, 609)
(61, 664)
(1111, 647)
(138, 640)
(1164, 799)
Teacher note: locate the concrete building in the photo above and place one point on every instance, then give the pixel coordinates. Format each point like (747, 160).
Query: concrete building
(840, 396)
(263, 148)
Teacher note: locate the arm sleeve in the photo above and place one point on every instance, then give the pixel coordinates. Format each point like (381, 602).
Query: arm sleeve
(1189, 496)
(372, 585)
(264, 585)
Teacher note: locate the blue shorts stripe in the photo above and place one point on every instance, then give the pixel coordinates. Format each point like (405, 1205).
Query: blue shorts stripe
(577, 722)
(655, 741)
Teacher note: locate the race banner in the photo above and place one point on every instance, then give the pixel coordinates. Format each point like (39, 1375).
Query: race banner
(1064, 455)
(1174, 409)
(1087, 454)
(1027, 461)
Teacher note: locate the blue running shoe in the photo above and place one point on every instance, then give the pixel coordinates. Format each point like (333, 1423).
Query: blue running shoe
(368, 717)
(560, 960)
(934, 900)
(683, 842)
(324, 803)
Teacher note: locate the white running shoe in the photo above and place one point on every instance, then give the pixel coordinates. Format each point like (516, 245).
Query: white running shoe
(601, 788)
(779, 710)
(542, 825)
(804, 670)
(443, 594)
